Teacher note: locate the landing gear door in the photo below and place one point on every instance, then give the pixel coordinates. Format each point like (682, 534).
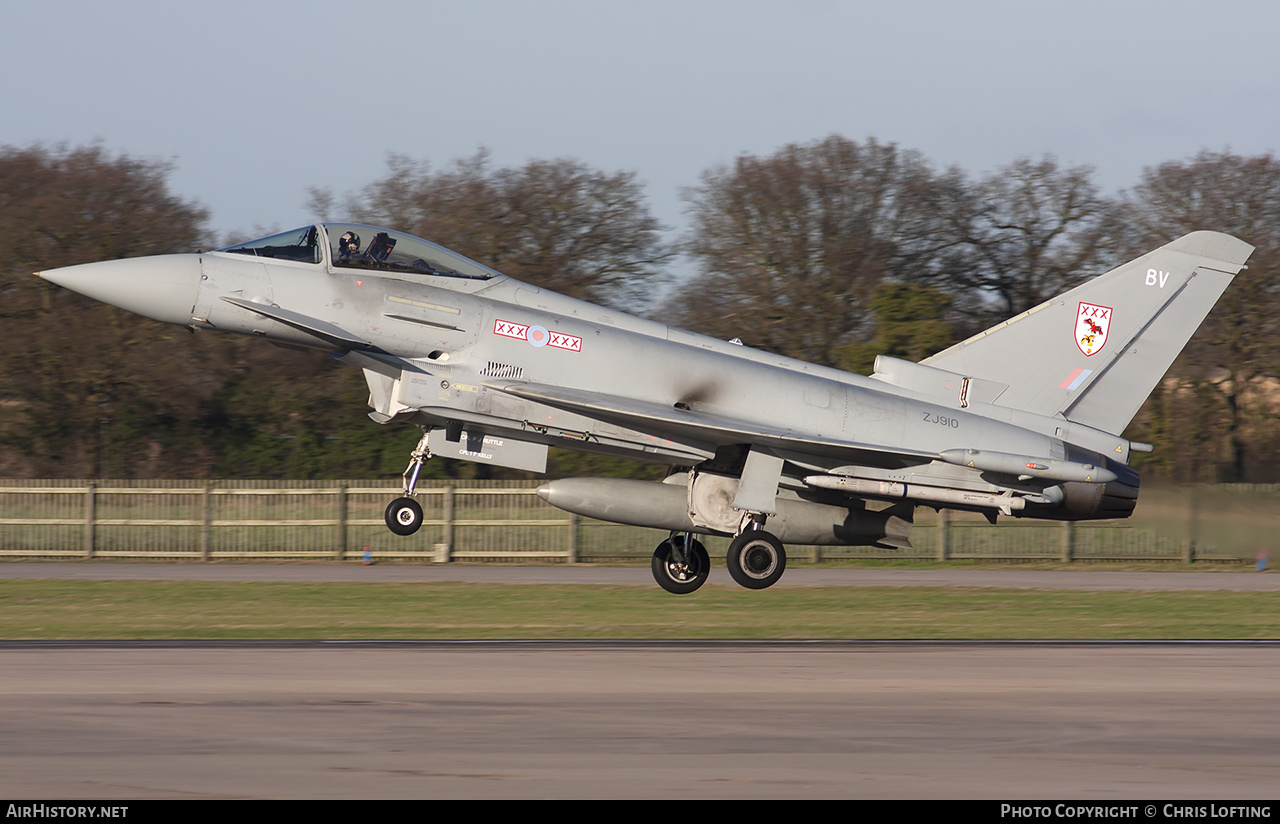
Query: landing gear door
(758, 488)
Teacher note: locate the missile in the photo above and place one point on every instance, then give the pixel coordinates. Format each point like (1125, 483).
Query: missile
(1006, 503)
(662, 505)
(1024, 466)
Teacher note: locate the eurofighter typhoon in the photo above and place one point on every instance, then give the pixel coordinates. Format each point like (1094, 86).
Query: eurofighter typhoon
(1022, 420)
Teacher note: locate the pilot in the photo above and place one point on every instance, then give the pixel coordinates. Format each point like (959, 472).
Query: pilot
(349, 246)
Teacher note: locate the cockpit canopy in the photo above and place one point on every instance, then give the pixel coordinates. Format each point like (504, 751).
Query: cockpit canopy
(355, 246)
(298, 245)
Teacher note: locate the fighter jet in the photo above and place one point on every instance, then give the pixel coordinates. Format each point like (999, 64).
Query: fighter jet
(1023, 420)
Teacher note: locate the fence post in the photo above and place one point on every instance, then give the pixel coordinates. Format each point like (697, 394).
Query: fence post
(1068, 541)
(573, 538)
(1193, 524)
(341, 537)
(90, 504)
(206, 522)
(944, 534)
(447, 537)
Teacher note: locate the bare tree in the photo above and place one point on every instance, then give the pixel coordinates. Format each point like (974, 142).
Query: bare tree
(74, 205)
(553, 223)
(1023, 234)
(71, 369)
(791, 246)
(1237, 350)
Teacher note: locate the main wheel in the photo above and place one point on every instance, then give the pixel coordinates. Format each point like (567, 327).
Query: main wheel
(404, 516)
(756, 559)
(675, 576)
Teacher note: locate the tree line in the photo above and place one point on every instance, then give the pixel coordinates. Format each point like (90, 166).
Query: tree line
(831, 251)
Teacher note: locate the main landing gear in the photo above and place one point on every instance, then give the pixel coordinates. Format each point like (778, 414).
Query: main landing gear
(404, 515)
(681, 564)
(756, 560)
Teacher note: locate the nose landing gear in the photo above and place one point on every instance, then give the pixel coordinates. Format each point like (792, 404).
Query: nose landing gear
(404, 514)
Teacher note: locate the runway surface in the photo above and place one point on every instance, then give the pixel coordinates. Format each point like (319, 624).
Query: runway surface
(641, 720)
(574, 720)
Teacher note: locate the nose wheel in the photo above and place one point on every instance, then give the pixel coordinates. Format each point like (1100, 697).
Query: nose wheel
(404, 514)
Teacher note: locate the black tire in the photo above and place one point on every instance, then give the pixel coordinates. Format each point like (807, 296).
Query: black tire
(681, 579)
(404, 516)
(756, 559)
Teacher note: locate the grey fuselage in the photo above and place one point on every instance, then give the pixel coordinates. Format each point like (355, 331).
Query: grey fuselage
(446, 349)
(1022, 419)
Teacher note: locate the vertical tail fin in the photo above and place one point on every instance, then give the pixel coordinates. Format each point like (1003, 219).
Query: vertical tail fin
(1094, 354)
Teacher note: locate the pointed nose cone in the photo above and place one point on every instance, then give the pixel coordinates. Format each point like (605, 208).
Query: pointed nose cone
(163, 288)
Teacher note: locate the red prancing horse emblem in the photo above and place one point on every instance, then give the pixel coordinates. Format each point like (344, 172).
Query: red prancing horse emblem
(1092, 323)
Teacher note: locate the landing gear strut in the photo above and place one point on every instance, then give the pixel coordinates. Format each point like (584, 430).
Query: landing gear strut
(681, 564)
(404, 515)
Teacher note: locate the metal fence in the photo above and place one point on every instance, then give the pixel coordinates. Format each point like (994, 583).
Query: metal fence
(495, 521)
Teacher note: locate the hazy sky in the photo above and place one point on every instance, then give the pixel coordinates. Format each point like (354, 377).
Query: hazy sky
(254, 102)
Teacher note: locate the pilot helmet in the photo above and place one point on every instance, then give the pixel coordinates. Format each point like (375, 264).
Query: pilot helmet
(349, 243)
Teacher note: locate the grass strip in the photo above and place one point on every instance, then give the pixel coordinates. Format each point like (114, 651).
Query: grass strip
(48, 609)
